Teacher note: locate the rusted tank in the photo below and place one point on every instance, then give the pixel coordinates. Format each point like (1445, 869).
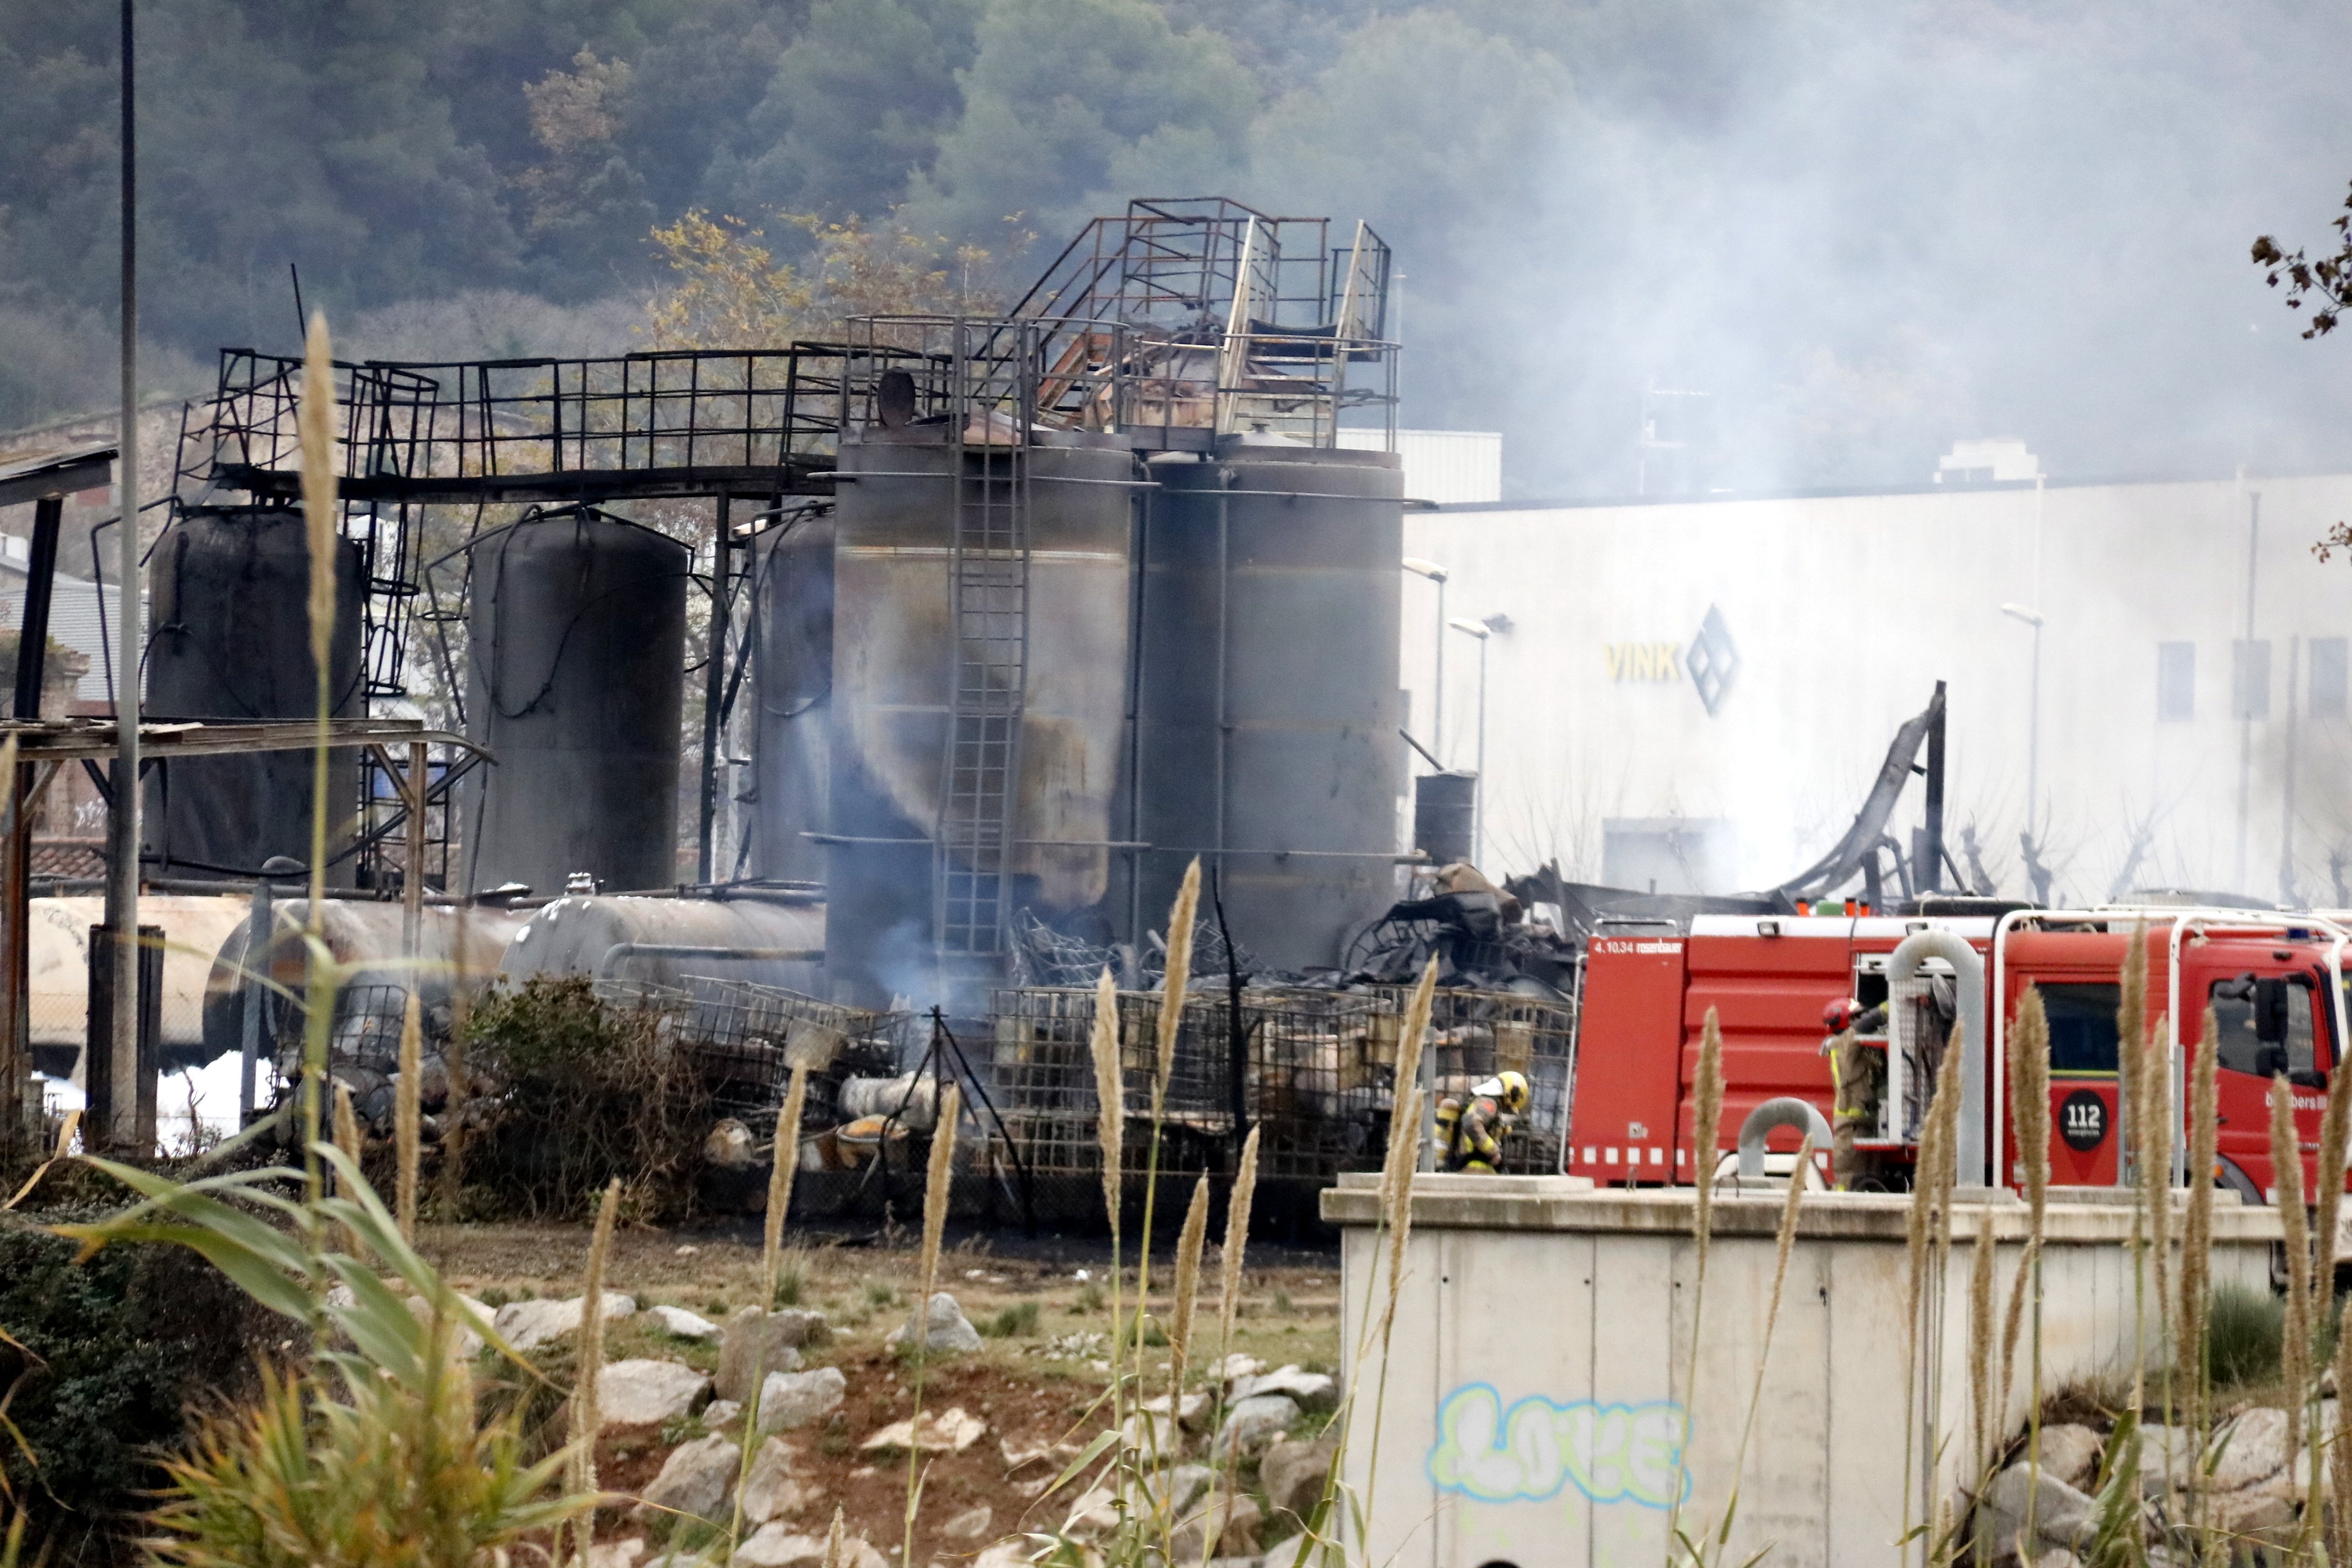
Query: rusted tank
(459, 949)
(896, 645)
(769, 941)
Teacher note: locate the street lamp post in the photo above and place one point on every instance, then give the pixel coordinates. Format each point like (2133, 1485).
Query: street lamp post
(1437, 574)
(2033, 710)
(1478, 792)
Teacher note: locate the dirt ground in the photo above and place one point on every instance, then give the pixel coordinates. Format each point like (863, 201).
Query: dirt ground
(1034, 1384)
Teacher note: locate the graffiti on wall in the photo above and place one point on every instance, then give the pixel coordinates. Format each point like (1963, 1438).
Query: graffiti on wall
(1610, 1453)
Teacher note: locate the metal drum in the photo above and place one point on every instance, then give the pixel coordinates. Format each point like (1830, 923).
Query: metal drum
(578, 638)
(229, 594)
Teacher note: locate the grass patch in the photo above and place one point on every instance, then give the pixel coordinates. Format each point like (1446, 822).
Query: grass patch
(2244, 1339)
(1014, 1322)
(792, 1279)
(1090, 1300)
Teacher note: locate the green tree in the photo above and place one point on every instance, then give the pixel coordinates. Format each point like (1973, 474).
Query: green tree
(1068, 100)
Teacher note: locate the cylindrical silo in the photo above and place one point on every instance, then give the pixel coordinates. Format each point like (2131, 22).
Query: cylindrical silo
(895, 646)
(793, 688)
(578, 639)
(1268, 700)
(228, 594)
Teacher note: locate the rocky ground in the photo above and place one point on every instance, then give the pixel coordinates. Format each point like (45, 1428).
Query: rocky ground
(1011, 1387)
(2236, 1488)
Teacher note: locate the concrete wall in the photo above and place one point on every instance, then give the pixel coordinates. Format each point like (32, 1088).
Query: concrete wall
(1843, 612)
(1573, 1310)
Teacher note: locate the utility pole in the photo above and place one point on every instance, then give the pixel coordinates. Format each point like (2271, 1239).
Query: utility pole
(123, 866)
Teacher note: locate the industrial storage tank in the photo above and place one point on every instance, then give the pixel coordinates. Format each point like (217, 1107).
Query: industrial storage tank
(766, 940)
(896, 647)
(794, 690)
(229, 594)
(578, 639)
(1268, 703)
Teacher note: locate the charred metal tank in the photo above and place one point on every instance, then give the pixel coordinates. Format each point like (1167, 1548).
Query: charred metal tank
(1267, 690)
(794, 691)
(578, 637)
(896, 648)
(229, 594)
(769, 940)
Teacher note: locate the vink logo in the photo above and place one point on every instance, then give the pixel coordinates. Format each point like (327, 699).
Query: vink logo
(1712, 661)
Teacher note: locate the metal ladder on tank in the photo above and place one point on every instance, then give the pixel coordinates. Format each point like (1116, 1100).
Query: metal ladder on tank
(988, 579)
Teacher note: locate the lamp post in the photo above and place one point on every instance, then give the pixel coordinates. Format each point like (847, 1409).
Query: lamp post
(1478, 794)
(1437, 574)
(2033, 710)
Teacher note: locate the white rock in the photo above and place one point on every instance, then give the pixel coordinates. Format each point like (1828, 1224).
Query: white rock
(1011, 1553)
(645, 1393)
(525, 1325)
(946, 1329)
(2062, 1515)
(757, 1343)
(720, 1412)
(951, 1431)
(1093, 1514)
(1253, 1423)
(1235, 1366)
(770, 1490)
(2069, 1451)
(791, 1399)
(685, 1325)
(1233, 1518)
(473, 1317)
(1307, 1390)
(1293, 1475)
(972, 1524)
(1190, 1414)
(2257, 1516)
(694, 1480)
(616, 1553)
(2251, 1448)
(773, 1546)
(1153, 1436)
(1177, 1490)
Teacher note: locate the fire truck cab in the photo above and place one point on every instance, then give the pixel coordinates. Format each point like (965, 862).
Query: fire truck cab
(1777, 985)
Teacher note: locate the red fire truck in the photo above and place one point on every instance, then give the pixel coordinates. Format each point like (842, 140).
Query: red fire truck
(2275, 983)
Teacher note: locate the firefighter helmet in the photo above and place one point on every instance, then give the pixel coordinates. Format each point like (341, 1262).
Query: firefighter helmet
(1508, 1090)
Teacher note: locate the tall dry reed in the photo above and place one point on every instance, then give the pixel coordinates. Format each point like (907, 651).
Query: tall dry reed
(314, 426)
(1706, 1131)
(1926, 1238)
(2131, 1039)
(783, 1160)
(2156, 1165)
(2287, 1171)
(2029, 1081)
(1987, 1398)
(1182, 916)
(937, 1184)
(1190, 1241)
(2197, 1243)
(2335, 1135)
(587, 1420)
(2339, 1468)
(1236, 1241)
(408, 1115)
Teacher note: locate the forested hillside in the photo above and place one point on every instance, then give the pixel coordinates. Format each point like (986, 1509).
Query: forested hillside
(1867, 227)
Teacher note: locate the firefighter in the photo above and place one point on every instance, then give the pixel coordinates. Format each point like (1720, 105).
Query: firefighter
(1470, 1137)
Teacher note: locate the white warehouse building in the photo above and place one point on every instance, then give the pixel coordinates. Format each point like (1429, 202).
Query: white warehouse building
(1694, 695)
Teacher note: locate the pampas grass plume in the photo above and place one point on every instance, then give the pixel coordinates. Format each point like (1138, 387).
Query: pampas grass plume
(1111, 1093)
(934, 1203)
(586, 1419)
(2196, 1244)
(1181, 921)
(1190, 1242)
(1983, 1394)
(1237, 1218)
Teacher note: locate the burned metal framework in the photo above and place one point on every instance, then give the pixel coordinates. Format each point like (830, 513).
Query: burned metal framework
(1238, 321)
(1313, 1070)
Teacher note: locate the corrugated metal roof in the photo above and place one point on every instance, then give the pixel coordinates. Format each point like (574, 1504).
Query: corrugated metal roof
(81, 616)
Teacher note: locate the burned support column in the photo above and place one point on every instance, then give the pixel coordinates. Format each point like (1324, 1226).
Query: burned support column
(105, 1091)
(1928, 844)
